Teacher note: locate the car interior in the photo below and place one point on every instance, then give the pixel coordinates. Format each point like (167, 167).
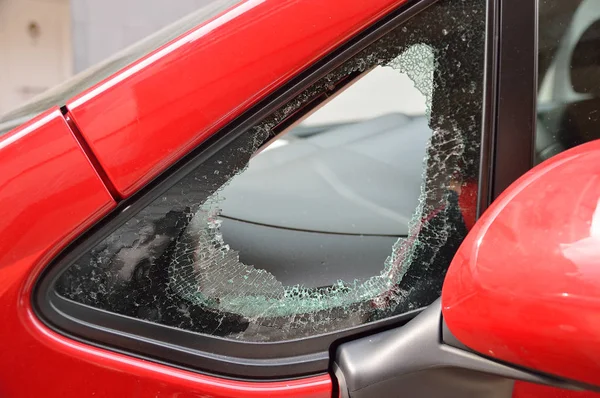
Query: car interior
(568, 98)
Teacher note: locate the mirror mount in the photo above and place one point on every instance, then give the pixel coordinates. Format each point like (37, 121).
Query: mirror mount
(416, 360)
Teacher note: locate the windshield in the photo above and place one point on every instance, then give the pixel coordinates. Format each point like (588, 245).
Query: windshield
(60, 94)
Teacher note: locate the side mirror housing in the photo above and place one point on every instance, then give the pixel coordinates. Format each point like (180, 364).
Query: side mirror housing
(524, 287)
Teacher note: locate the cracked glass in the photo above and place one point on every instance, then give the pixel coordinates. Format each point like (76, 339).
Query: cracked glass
(307, 225)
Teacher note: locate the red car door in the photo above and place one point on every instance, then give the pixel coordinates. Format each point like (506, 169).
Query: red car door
(271, 181)
(51, 148)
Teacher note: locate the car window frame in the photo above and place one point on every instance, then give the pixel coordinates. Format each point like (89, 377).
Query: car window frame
(210, 354)
(515, 94)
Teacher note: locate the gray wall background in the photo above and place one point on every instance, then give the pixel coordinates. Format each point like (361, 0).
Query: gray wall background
(103, 27)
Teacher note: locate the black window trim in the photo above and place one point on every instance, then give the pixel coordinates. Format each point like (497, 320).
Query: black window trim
(228, 358)
(513, 127)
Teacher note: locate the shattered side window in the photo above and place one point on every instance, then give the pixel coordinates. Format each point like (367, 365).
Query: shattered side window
(348, 216)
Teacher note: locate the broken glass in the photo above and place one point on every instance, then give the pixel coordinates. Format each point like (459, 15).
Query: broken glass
(173, 263)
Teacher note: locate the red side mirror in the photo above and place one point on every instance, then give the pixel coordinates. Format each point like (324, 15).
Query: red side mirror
(524, 287)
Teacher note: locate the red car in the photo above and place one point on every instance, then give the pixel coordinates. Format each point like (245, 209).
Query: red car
(312, 198)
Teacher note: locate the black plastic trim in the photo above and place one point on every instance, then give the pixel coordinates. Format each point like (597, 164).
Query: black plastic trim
(516, 94)
(193, 351)
(209, 354)
(415, 359)
(490, 87)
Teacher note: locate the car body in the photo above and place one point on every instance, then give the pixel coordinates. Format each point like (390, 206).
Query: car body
(85, 160)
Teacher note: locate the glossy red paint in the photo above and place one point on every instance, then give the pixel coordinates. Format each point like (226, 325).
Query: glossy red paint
(467, 202)
(529, 390)
(144, 118)
(525, 285)
(49, 193)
